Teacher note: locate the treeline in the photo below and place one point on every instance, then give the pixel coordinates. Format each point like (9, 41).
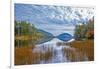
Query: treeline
(24, 28)
(85, 31)
(26, 34)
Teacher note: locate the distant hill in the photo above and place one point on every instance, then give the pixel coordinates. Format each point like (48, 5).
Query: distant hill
(65, 37)
(46, 36)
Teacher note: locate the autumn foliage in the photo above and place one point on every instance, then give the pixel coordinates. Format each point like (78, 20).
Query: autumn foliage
(85, 31)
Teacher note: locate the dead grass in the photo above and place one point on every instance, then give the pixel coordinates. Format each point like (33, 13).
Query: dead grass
(84, 47)
(25, 55)
(26, 37)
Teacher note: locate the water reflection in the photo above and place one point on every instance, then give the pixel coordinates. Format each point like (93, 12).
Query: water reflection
(58, 52)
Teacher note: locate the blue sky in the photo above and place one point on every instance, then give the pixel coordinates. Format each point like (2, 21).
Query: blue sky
(54, 19)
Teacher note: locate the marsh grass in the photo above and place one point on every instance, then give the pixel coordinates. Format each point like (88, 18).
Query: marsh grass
(84, 48)
(25, 55)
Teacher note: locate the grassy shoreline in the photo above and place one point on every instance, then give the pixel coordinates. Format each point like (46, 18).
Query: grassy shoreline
(25, 55)
(86, 46)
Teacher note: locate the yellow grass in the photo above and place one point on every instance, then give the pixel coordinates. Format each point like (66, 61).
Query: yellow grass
(35, 37)
(84, 47)
(25, 55)
(25, 37)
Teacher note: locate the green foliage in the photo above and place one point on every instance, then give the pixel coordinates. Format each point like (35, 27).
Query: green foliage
(26, 34)
(23, 28)
(80, 32)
